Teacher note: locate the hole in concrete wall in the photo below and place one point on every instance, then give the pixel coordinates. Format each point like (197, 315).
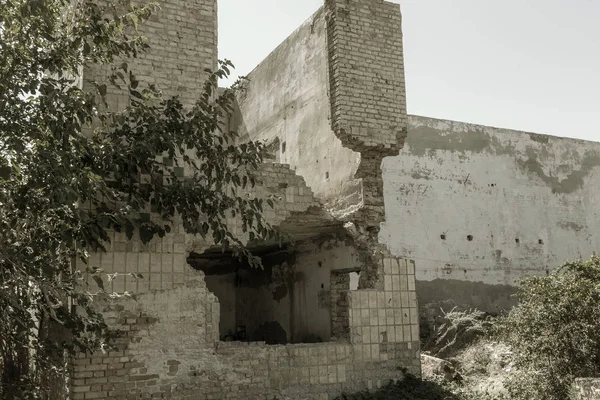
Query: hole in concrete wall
(517, 241)
(540, 241)
(255, 304)
(279, 304)
(470, 238)
(283, 148)
(443, 236)
(326, 175)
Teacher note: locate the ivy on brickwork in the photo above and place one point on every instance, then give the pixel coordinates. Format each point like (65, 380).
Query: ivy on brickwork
(72, 170)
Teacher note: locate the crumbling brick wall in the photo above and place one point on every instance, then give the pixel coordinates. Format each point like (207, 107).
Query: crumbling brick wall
(162, 262)
(168, 347)
(168, 343)
(182, 36)
(340, 312)
(366, 73)
(367, 90)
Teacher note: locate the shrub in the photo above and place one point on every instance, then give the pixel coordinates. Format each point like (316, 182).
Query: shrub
(457, 330)
(410, 388)
(554, 331)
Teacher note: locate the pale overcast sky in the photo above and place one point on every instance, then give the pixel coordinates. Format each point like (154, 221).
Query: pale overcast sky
(531, 65)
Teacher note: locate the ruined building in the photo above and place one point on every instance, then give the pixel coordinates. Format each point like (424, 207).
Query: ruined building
(333, 310)
(372, 199)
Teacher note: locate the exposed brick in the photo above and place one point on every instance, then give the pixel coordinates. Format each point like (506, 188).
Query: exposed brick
(169, 336)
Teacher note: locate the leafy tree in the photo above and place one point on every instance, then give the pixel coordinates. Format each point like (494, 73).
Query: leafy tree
(555, 331)
(71, 170)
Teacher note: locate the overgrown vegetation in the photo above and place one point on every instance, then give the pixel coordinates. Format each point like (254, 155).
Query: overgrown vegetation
(410, 388)
(457, 329)
(72, 170)
(554, 331)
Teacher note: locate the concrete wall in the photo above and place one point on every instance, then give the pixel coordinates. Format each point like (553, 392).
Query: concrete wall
(479, 208)
(331, 98)
(286, 102)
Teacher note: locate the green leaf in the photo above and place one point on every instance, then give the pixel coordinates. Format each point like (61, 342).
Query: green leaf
(134, 20)
(102, 90)
(98, 281)
(5, 172)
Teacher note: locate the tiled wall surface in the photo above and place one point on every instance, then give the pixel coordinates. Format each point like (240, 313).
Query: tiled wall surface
(169, 348)
(162, 262)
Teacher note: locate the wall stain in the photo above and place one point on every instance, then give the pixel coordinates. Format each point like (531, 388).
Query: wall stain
(324, 298)
(425, 140)
(536, 137)
(499, 259)
(279, 293)
(572, 182)
(570, 226)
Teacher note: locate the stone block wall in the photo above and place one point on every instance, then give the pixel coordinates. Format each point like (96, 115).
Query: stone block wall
(168, 346)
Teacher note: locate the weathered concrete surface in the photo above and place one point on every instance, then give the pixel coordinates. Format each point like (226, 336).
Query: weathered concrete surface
(488, 206)
(286, 103)
(331, 100)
